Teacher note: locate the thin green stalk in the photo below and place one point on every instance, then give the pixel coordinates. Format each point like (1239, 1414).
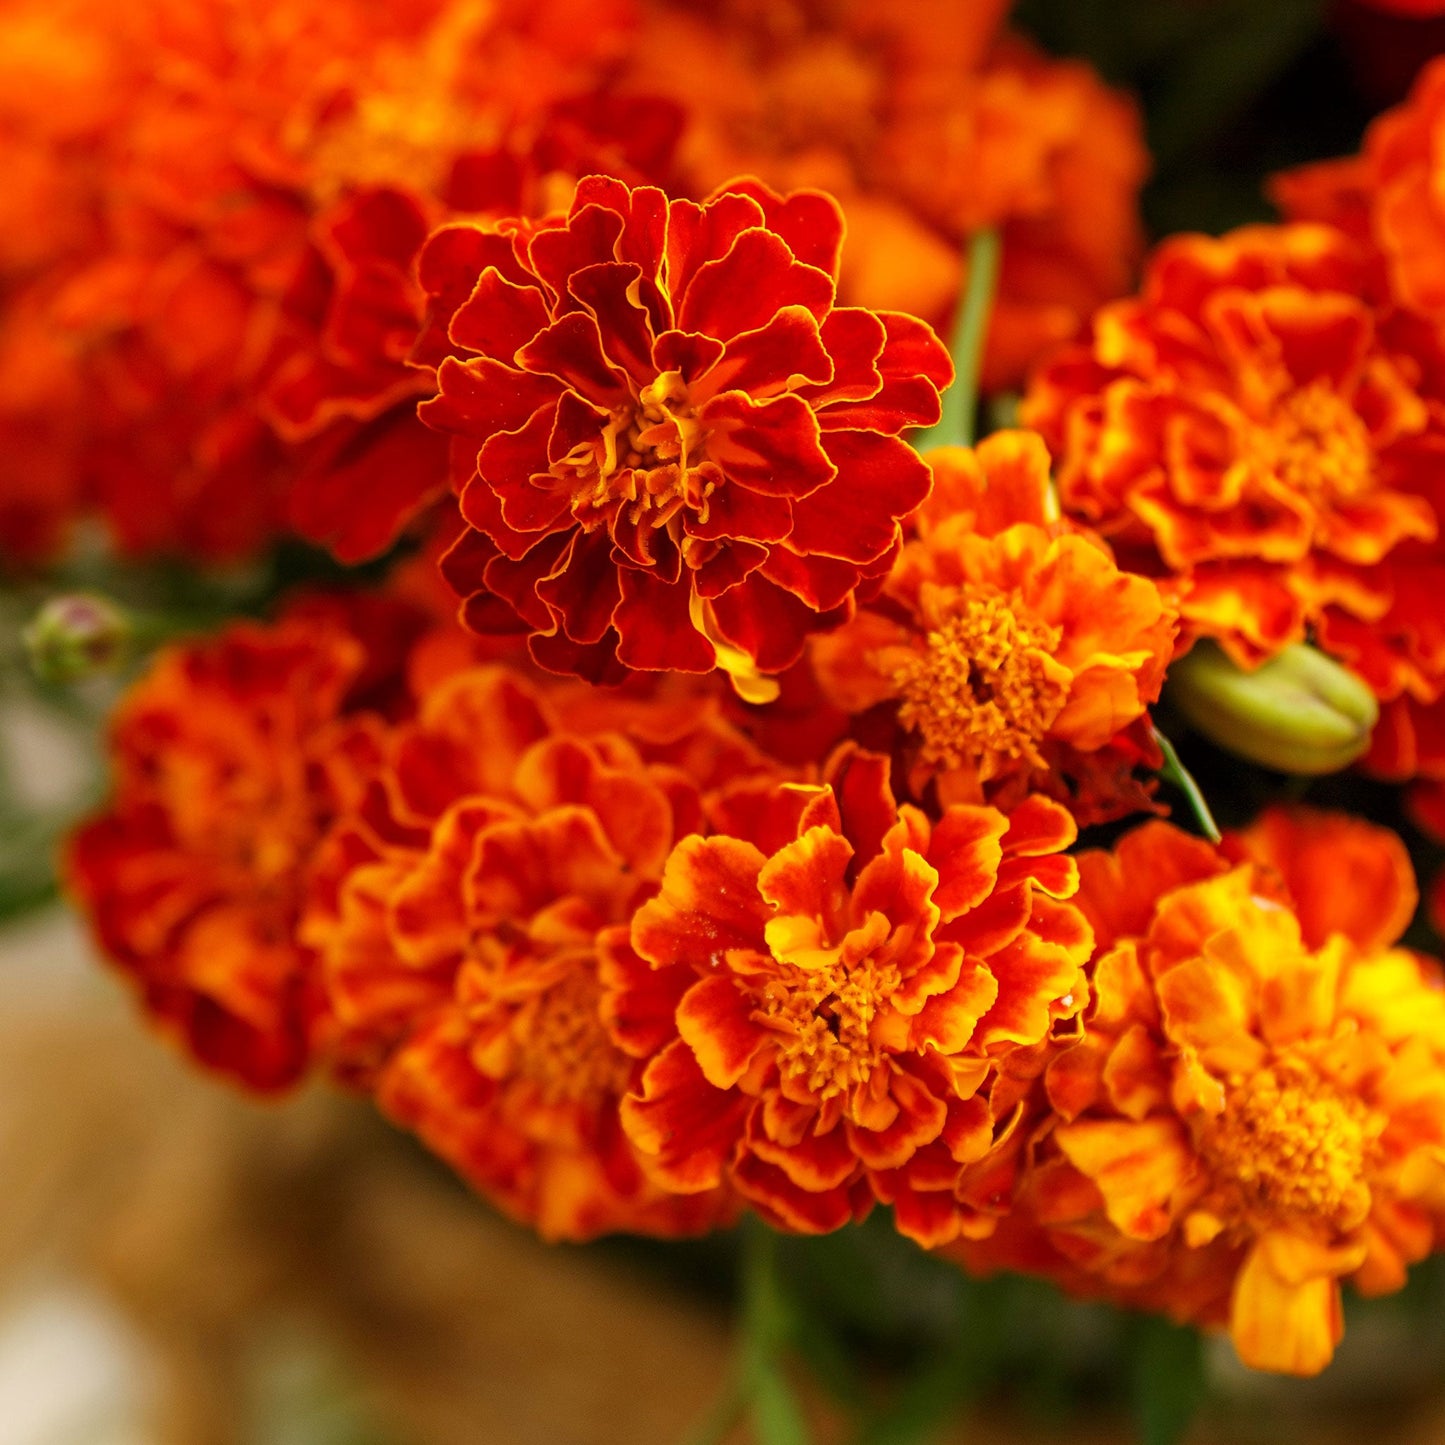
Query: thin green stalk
(758, 1389)
(1175, 772)
(956, 426)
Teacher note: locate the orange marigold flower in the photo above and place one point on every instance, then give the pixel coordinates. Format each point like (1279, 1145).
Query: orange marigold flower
(677, 450)
(231, 757)
(239, 302)
(1242, 427)
(926, 125)
(826, 993)
(1256, 1108)
(1409, 217)
(1006, 644)
(512, 825)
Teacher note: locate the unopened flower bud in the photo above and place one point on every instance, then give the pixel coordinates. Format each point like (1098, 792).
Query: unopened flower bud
(1300, 712)
(76, 636)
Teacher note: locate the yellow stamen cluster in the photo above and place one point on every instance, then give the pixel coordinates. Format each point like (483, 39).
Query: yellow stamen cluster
(981, 690)
(647, 460)
(825, 1010)
(1295, 1148)
(1317, 444)
(562, 1046)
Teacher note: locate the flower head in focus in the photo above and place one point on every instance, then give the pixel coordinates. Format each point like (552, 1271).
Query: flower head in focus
(827, 992)
(675, 450)
(1256, 1108)
(1008, 646)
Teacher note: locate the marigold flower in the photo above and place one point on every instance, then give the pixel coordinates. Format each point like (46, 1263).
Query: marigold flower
(926, 125)
(231, 757)
(1242, 427)
(507, 826)
(1256, 1108)
(684, 453)
(236, 297)
(1005, 643)
(825, 993)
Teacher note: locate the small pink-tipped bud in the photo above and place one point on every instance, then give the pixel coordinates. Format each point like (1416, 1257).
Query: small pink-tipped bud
(78, 635)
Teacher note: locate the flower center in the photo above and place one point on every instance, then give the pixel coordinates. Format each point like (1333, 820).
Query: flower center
(981, 689)
(824, 1010)
(1295, 1147)
(1317, 444)
(561, 1044)
(646, 461)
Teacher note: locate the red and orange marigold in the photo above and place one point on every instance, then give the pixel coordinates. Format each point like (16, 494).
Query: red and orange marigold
(231, 757)
(1256, 1109)
(1009, 649)
(1243, 427)
(826, 989)
(507, 826)
(676, 451)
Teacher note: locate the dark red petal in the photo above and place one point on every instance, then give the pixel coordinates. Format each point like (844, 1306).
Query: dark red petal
(582, 589)
(855, 517)
(749, 286)
(571, 350)
(811, 222)
(824, 583)
(697, 234)
(655, 628)
(916, 367)
(855, 339)
(772, 447)
(783, 355)
(624, 324)
(589, 234)
(770, 625)
(686, 352)
(498, 317)
(482, 397)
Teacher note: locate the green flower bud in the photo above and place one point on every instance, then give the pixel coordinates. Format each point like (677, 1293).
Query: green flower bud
(78, 635)
(1300, 712)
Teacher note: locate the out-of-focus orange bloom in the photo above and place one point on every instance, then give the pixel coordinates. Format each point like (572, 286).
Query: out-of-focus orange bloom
(676, 451)
(823, 990)
(1006, 644)
(926, 126)
(240, 304)
(1409, 216)
(1256, 1108)
(507, 827)
(1389, 193)
(231, 757)
(1244, 428)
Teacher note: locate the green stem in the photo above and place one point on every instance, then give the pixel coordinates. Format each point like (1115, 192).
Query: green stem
(975, 308)
(758, 1388)
(1175, 772)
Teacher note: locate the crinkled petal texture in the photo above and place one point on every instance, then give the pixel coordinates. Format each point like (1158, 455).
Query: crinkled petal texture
(675, 450)
(1255, 1110)
(827, 994)
(1006, 647)
(230, 758)
(506, 827)
(1244, 427)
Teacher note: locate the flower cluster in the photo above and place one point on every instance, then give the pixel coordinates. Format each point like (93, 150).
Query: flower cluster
(1255, 1107)
(676, 819)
